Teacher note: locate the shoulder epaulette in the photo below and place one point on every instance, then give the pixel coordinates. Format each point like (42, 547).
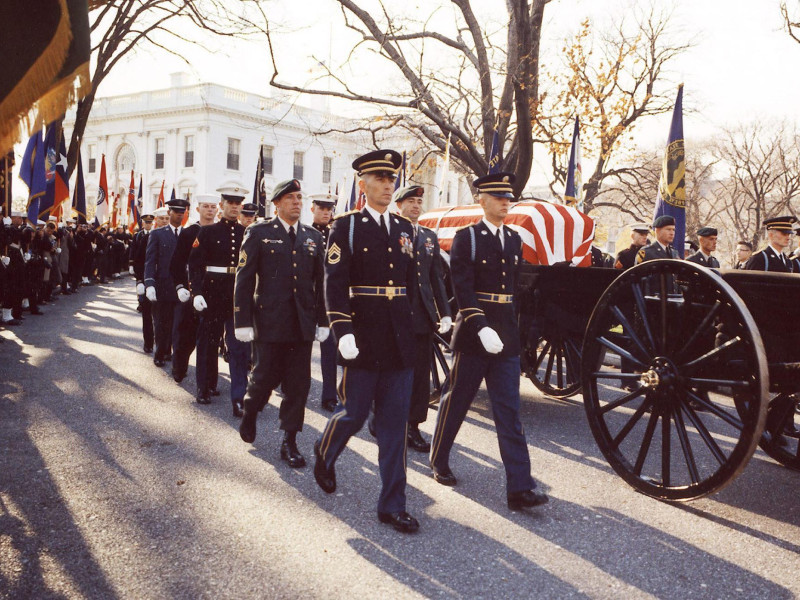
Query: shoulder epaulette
(402, 217)
(344, 214)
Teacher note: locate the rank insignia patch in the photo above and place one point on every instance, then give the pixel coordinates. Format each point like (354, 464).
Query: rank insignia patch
(334, 254)
(242, 258)
(196, 243)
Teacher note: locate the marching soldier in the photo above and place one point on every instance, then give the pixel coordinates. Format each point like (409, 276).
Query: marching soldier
(369, 268)
(212, 266)
(429, 307)
(627, 257)
(661, 247)
(278, 305)
(772, 258)
(138, 251)
(744, 250)
(248, 214)
(322, 210)
(707, 239)
(485, 260)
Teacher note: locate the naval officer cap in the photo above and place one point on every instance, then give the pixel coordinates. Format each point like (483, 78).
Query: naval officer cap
(232, 193)
(178, 205)
(148, 217)
(706, 232)
(783, 224)
(379, 162)
(324, 200)
(409, 191)
(249, 209)
(664, 221)
(285, 187)
(496, 184)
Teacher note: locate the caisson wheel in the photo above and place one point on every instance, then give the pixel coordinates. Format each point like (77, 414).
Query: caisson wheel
(553, 363)
(781, 438)
(674, 380)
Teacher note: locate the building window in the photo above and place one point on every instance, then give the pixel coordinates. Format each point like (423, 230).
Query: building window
(92, 158)
(298, 165)
(188, 151)
(327, 165)
(233, 154)
(266, 156)
(159, 153)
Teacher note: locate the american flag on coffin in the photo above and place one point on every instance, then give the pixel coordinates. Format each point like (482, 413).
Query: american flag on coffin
(550, 233)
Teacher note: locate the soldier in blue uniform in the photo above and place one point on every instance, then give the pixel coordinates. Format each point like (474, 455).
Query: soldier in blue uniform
(485, 260)
(138, 250)
(661, 247)
(707, 241)
(773, 257)
(368, 270)
(248, 214)
(212, 270)
(322, 210)
(278, 304)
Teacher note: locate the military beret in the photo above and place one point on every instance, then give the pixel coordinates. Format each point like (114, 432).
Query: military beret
(249, 209)
(407, 192)
(706, 231)
(386, 162)
(285, 187)
(178, 205)
(496, 184)
(780, 223)
(663, 221)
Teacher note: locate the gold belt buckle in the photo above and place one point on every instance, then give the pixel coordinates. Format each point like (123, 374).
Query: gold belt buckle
(390, 292)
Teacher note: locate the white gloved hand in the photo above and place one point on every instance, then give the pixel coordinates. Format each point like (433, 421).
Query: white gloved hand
(150, 292)
(140, 289)
(26, 257)
(58, 250)
(6, 220)
(184, 295)
(244, 334)
(322, 334)
(5, 260)
(490, 340)
(445, 325)
(130, 270)
(199, 303)
(347, 347)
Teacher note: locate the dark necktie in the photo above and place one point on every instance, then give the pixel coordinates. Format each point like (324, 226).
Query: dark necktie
(383, 225)
(292, 236)
(498, 238)
(176, 232)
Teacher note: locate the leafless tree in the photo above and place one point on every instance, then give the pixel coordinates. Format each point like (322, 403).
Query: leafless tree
(791, 20)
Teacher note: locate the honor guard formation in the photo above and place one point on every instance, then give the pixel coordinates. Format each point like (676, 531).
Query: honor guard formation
(367, 285)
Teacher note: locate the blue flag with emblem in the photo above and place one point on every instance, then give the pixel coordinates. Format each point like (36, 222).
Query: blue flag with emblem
(494, 157)
(672, 185)
(31, 171)
(573, 194)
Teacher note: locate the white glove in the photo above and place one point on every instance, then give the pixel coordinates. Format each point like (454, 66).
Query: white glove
(25, 303)
(26, 257)
(445, 325)
(130, 270)
(322, 334)
(244, 334)
(184, 295)
(199, 303)
(5, 260)
(140, 289)
(6, 220)
(490, 340)
(347, 347)
(58, 250)
(150, 292)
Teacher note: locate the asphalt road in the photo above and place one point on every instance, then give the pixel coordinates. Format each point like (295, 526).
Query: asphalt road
(114, 483)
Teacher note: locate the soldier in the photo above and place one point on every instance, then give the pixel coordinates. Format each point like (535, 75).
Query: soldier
(322, 210)
(212, 267)
(138, 251)
(159, 287)
(278, 305)
(743, 252)
(485, 260)
(626, 258)
(369, 268)
(186, 328)
(707, 239)
(664, 227)
(772, 258)
(429, 306)
(248, 214)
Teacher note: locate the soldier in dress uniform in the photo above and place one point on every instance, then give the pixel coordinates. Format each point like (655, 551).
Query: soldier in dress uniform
(138, 251)
(744, 250)
(772, 258)
(485, 261)
(661, 247)
(430, 308)
(278, 304)
(707, 240)
(159, 287)
(212, 267)
(248, 214)
(627, 257)
(369, 268)
(322, 211)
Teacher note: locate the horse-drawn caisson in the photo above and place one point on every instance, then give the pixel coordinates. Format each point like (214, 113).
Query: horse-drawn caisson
(684, 370)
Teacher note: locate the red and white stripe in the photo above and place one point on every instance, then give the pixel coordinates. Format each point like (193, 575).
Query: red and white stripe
(550, 233)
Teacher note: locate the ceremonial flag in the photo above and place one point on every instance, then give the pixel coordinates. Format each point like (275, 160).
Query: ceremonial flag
(61, 185)
(351, 204)
(401, 176)
(133, 210)
(114, 208)
(140, 202)
(6, 164)
(259, 193)
(160, 202)
(573, 194)
(101, 210)
(494, 157)
(50, 160)
(79, 195)
(31, 171)
(188, 210)
(172, 196)
(672, 185)
(444, 172)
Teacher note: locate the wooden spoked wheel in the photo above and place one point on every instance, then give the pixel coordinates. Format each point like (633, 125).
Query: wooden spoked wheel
(781, 439)
(674, 380)
(553, 363)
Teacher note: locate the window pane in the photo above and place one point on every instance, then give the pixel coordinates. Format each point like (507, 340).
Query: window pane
(267, 156)
(159, 153)
(92, 157)
(326, 169)
(298, 165)
(233, 154)
(188, 159)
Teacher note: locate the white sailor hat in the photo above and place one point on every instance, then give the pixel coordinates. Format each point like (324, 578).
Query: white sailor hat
(161, 212)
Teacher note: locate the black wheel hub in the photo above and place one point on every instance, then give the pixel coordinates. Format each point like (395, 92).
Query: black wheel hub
(661, 377)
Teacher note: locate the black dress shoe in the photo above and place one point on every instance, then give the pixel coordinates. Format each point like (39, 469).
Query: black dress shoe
(238, 407)
(159, 362)
(444, 476)
(371, 425)
(247, 428)
(213, 392)
(329, 404)
(525, 499)
(416, 441)
(326, 478)
(178, 377)
(202, 398)
(168, 357)
(290, 454)
(147, 349)
(401, 521)
(12, 323)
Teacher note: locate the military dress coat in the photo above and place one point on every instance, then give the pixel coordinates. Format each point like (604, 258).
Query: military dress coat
(161, 244)
(769, 260)
(216, 245)
(429, 300)
(654, 251)
(698, 258)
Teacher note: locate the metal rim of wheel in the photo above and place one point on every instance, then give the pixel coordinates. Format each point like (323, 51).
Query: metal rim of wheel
(696, 374)
(553, 365)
